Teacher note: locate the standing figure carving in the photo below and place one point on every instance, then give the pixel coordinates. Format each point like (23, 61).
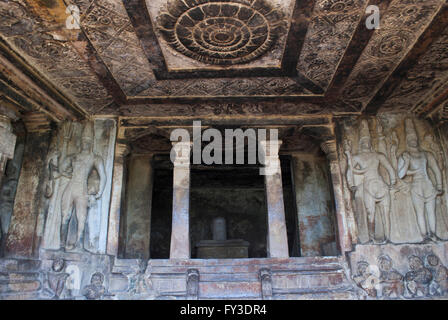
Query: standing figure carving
(415, 163)
(59, 176)
(76, 196)
(372, 189)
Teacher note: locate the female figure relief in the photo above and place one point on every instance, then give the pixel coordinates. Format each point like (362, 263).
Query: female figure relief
(415, 163)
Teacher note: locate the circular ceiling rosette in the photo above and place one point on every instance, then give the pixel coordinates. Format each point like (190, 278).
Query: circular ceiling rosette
(221, 32)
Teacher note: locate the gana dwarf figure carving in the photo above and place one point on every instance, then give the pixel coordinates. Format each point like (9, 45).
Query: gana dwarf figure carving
(367, 279)
(418, 279)
(415, 163)
(95, 290)
(76, 196)
(56, 279)
(373, 190)
(390, 279)
(439, 284)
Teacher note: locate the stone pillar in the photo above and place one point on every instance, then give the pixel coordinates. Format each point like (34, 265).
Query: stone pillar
(7, 143)
(121, 151)
(277, 240)
(138, 206)
(315, 212)
(180, 231)
(21, 237)
(330, 149)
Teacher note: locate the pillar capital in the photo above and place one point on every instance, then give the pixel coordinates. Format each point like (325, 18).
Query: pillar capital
(181, 153)
(271, 148)
(270, 157)
(122, 149)
(329, 147)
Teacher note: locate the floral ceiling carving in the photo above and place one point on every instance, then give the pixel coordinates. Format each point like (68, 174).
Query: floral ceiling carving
(222, 33)
(308, 53)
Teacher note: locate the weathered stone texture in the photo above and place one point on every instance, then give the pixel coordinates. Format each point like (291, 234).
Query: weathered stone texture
(138, 207)
(21, 234)
(315, 209)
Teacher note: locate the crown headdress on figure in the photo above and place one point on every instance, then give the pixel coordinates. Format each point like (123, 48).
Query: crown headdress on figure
(87, 132)
(410, 128)
(364, 132)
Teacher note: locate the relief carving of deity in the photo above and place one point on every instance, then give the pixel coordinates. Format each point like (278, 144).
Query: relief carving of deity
(68, 190)
(415, 163)
(369, 187)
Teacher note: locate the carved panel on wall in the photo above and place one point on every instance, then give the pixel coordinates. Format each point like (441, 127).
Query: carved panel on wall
(80, 165)
(403, 271)
(395, 168)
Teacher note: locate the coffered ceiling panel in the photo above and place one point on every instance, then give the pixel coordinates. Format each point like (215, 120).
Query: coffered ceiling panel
(301, 57)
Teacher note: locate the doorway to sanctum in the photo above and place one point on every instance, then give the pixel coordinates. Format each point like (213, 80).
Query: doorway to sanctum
(228, 213)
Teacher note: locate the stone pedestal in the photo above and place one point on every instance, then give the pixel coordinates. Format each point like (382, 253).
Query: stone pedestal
(223, 249)
(277, 241)
(180, 231)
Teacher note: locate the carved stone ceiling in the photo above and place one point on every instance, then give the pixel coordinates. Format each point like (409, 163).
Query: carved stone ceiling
(199, 58)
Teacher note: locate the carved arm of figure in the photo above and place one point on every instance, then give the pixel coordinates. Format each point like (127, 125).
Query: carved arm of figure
(393, 150)
(52, 167)
(403, 165)
(99, 165)
(432, 164)
(67, 131)
(385, 163)
(381, 139)
(348, 154)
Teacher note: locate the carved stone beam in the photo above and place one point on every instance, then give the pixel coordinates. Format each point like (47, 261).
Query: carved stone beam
(330, 149)
(180, 232)
(277, 241)
(121, 151)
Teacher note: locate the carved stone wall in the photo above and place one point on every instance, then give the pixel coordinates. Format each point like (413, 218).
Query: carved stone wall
(395, 174)
(9, 185)
(78, 188)
(400, 271)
